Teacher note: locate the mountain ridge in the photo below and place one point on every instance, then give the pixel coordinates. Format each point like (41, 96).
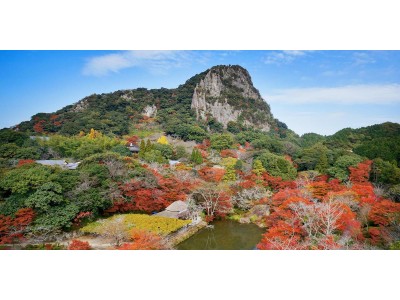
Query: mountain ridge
(200, 104)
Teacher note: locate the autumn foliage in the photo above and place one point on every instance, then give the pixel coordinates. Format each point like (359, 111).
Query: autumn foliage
(211, 174)
(360, 174)
(38, 126)
(132, 140)
(146, 196)
(228, 153)
(385, 213)
(276, 183)
(23, 162)
(327, 214)
(144, 240)
(79, 245)
(204, 145)
(81, 216)
(12, 228)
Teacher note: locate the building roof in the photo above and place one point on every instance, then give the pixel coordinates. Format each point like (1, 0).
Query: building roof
(167, 214)
(133, 147)
(61, 163)
(44, 138)
(173, 162)
(72, 166)
(177, 206)
(52, 162)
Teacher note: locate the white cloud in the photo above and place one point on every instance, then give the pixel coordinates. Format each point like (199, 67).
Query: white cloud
(350, 94)
(283, 57)
(362, 58)
(155, 61)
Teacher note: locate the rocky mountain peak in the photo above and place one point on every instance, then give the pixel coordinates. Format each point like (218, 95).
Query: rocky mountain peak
(227, 94)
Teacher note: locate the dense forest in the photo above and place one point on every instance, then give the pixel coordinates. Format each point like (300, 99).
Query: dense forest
(308, 192)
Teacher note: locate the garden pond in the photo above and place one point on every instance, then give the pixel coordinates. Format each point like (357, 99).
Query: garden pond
(224, 235)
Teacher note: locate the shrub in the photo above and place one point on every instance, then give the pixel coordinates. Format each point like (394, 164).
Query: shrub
(154, 224)
(228, 153)
(277, 166)
(144, 240)
(79, 245)
(221, 141)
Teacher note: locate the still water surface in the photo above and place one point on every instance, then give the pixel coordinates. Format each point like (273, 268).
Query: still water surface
(226, 235)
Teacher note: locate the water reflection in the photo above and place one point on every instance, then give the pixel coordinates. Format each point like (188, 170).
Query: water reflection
(226, 235)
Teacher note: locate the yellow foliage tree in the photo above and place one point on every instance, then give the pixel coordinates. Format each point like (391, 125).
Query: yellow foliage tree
(258, 167)
(163, 140)
(229, 164)
(94, 134)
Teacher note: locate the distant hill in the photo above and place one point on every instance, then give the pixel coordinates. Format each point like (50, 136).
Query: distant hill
(380, 140)
(222, 97)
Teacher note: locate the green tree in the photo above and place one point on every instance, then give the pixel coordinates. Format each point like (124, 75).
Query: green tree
(142, 148)
(149, 146)
(8, 150)
(309, 158)
(47, 195)
(277, 166)
(308, 140)
(11, 136)
(56, 218)
(215, 126)
(221, 141)
(155, 156)
(233, 127)
(322, 164)
(385, 172)
(26, 178)
(180, 152)
(340, 169)
(121, 150)
(239, 165)
(166, 150)
(196, 157)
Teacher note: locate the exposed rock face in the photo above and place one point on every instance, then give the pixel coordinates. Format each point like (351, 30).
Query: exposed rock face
(150, 111)
(226, 93)
(80, 106)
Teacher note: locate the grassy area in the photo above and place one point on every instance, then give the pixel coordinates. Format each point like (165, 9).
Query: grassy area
(158, 225)
(144, 133)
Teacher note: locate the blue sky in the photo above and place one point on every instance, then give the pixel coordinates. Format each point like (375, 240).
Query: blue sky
(311, 91)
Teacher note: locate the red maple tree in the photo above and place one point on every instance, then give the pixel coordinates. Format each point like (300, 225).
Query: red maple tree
(211, 174)
(13, 228)
(79, 245)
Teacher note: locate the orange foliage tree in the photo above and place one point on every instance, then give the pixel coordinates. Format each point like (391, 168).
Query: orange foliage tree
(228, 153)
(144, 240)
(132, 139)
(360, 173)
(211, 174)
(79, 245)
(204, 145)
(276, 183)
(23, 162)
(38, 126)
(385, 213)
